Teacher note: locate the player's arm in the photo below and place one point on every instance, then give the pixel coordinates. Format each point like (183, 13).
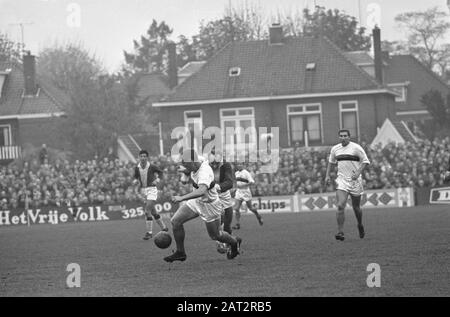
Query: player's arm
(199, 192)
(228, 178)
(359, 171)
(364, 163)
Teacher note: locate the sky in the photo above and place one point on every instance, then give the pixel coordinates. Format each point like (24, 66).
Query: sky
(108, 27)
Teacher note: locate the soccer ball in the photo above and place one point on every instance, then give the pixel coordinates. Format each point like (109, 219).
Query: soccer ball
(163, 240)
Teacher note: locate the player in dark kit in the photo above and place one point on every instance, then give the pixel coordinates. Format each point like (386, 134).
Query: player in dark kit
(446, 175)
(148, 175)
(224, 178)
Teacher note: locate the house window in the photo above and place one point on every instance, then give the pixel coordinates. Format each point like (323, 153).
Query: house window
(349, 118)
(193, 122)
(238, 118)
(305, 121)
(5, 135)
(234, 71)
(400, 90)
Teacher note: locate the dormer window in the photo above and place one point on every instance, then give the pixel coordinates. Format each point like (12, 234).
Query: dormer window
(3, 75)
(311, 66)
(234, 71)
(400, 90)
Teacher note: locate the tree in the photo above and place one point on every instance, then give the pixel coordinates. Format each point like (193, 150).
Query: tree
(100, 107)
(149, 53)
(9, 50)
(67, 65)
(425, 29)
(245, 23)
(339, 27)
(438, 109)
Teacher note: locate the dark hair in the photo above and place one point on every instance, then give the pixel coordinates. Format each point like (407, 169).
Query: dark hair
(190, 155)
(143, 152)
(348, 132)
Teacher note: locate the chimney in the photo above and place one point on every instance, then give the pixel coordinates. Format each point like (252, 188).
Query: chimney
(275, 34)
(172, 71)
(377, 54)
(29, 74)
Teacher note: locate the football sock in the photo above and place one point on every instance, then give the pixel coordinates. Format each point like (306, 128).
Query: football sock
(149, 225)
(160, 223)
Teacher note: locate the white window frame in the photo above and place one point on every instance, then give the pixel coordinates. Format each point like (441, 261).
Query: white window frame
(404, 92)
(237, 117)
(8, 141)
(304, 111)
(234, 72)
(356, 109)
(187, 121)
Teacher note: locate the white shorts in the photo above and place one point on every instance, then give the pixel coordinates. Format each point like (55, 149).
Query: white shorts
(226, 199)
(209, 212)
(354, 188)
(150, 193)
(244, 195)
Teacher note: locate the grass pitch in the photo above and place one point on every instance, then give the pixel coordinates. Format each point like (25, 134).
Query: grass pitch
(292, 255)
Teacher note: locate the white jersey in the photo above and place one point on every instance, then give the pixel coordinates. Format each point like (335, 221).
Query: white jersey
(245, 193)
(205, 176)
(245, 175)
(348, 158)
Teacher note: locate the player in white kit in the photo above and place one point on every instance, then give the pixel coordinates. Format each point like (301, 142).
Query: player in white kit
(351, 160)
(202, 202)
(243, 194)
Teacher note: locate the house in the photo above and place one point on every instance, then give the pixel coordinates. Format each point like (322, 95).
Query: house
(30, 108)
(409, 78)
(151, 88)
(307, 87)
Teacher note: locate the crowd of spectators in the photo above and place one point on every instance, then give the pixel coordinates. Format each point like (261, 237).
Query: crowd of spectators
(39, 183)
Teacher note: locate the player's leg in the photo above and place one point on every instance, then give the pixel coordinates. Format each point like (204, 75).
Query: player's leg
(151, 207)
(227, 219)
(255, 211)
(356, 204)
(341, 197)
(182, 215)
(237, 212)
(213, 228)
(149, 225)
(148, 216)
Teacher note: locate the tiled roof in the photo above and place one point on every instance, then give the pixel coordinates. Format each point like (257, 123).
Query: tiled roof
(403, 131)
(404, 67)
(150, 85)
(49, 100)
(274, 70)
(191, 68)
(359, 57)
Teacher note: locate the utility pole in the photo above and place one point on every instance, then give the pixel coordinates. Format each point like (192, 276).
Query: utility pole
(21, 25)
(359, 12)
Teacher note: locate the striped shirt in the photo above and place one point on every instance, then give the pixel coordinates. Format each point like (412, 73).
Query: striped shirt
(348, 158)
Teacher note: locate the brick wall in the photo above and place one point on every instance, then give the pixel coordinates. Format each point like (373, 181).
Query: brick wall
(373, 110)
